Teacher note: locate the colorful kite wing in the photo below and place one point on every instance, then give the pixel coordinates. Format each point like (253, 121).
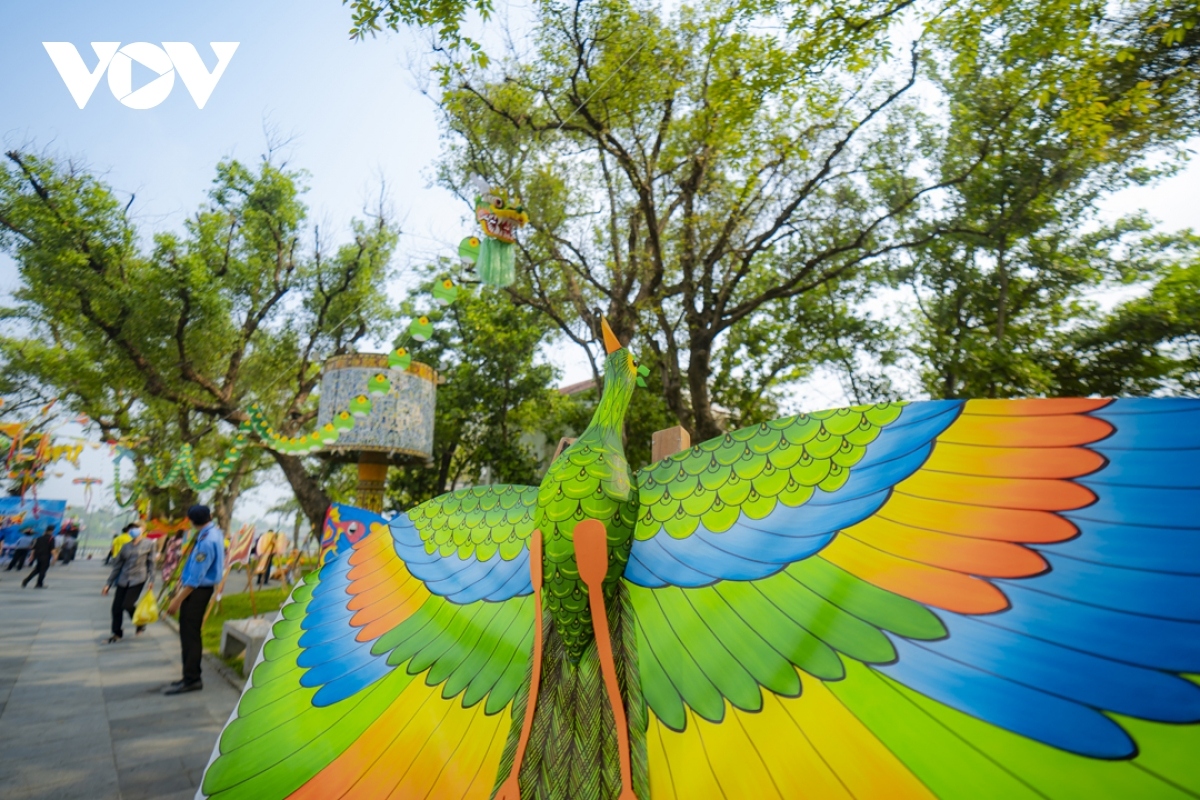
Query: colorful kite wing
(1000, 598)
(373, 684)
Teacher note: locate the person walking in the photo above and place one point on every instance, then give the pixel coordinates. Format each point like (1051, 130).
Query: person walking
(201, 572)
(120, 541)
(265, 549)
(43, 554)
(70, 546)
(133, 567)
(21, 549)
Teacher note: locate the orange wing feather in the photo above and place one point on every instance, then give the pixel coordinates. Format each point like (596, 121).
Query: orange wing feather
(991, 484)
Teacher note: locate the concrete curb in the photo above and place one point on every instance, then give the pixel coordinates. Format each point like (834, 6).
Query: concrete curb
(210, 661)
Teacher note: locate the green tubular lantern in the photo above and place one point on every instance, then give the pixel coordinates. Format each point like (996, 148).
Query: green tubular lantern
(399, 359)
(445, 292)
(420, 328)
(360, 406)
(378, 385)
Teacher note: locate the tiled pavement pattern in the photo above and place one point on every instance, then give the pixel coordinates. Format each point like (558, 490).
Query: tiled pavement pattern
(83, 720)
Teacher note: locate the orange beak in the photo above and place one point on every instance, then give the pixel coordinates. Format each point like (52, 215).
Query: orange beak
(611, 343)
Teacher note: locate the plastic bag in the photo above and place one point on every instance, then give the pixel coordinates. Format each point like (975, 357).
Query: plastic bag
(147, 609)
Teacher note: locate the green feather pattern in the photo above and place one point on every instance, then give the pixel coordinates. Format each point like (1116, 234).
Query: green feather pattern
(573, 745)
(480, 521)
(752, 469)
(701, 647)
(279, 739)
(590, 480)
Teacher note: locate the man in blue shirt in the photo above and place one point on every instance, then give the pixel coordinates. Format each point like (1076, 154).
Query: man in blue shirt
(21, 550)
(201, 573)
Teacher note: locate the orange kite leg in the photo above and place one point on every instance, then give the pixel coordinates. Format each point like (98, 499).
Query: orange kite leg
(591, 556)
(511, 789)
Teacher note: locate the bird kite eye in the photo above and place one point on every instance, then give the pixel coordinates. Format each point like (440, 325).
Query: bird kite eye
(497, 202)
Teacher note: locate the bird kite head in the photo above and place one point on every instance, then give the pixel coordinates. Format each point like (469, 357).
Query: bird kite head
(620, 368)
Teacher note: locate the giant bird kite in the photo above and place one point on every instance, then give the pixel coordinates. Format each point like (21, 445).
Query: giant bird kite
(957, 599)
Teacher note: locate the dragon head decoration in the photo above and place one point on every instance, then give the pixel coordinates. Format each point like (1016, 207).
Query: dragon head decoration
(499, 215)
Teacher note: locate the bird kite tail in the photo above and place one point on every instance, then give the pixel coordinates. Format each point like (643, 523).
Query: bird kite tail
(552, 644)
(622, 621)
(573, 724)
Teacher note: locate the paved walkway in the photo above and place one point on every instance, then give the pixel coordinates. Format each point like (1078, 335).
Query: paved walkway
(82, 719)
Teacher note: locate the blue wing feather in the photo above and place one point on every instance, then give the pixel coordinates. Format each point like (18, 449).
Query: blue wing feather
(1117, 611)
(753, 549)
(1152, 506)
(461, 580)
(787, 534)
(1152, 424)
(1171, 550)
(1149, 641)
(1030, 712)
(1070, 674)
(1134, 591)
(1165, 469)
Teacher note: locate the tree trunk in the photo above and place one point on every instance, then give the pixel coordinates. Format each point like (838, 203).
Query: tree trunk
(1002, 304)
(171, 502)
(444, 469)
(672, 385)
(313, 500)
(699, 374)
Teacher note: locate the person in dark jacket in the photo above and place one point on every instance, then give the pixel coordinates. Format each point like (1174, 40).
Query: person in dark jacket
(43, 554)
(133, 567)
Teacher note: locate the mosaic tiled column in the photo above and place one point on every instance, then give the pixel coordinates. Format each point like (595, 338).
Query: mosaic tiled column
(398, 429)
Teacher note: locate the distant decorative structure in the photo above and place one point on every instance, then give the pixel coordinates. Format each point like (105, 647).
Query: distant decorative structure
(397, 429)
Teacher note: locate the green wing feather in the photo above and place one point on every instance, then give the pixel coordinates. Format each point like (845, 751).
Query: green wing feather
(753, 469)
(479, 521)
(700, 645)
(317, 691)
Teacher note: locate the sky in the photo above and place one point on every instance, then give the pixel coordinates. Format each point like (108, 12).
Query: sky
(352, 113)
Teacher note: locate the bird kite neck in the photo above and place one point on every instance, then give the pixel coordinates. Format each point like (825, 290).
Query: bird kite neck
(604, 435)
(608, 422)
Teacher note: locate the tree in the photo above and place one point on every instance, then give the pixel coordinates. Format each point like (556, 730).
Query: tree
(707, 180)
(494, 397)
(163, 343)
(1065, 123)
(1147, 345)
(692, 175)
